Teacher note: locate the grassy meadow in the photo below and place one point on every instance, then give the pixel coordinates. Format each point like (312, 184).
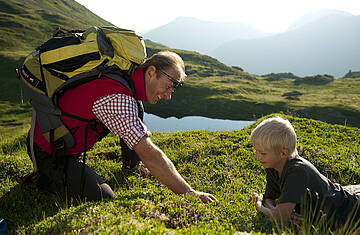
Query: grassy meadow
(324, 111)
(222, 163)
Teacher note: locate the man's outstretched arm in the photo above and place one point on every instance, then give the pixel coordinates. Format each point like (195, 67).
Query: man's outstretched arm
(163, 169)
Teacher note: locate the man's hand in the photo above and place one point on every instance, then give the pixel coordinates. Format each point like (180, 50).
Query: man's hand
(163, 169)
(205, 197)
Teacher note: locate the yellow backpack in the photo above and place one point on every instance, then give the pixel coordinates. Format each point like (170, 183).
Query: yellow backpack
(71, 58)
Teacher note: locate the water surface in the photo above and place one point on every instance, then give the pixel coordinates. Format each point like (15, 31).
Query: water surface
(172, 124)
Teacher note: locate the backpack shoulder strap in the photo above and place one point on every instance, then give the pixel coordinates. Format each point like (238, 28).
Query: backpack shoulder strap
(117, 76)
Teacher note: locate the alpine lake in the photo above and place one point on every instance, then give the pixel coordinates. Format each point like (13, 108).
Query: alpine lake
(173, 124)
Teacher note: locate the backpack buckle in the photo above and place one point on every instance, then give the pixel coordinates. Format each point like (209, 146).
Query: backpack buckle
(59, 144)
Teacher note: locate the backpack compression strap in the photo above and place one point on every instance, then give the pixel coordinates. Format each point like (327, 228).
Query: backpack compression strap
(32, 131)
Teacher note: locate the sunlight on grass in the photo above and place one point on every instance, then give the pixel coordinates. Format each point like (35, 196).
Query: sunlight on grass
(221, 163)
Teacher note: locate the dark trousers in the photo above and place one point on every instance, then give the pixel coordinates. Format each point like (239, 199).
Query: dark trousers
(64, 177)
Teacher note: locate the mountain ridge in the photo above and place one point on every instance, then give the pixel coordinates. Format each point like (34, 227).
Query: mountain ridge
(199, 35)
(237, 51)
(326, 46)
(313, 16)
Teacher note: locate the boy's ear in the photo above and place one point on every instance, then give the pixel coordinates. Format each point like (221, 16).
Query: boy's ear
(284, 153)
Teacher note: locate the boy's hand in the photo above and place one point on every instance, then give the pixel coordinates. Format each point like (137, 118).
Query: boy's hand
(296, 218)
(256, 200)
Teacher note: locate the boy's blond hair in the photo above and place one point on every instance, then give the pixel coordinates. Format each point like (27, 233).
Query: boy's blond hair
(275, 134)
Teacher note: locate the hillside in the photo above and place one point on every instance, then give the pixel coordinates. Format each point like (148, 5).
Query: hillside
(245, 97)
(212, 89)
(25, 24)
(221, 163)
(217, 91)
(17, 20)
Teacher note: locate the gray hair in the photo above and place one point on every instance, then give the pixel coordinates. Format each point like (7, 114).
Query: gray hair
(166, 60)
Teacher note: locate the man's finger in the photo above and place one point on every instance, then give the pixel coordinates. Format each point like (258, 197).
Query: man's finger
(213, 198)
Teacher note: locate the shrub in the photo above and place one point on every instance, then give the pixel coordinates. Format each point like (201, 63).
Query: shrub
(315, 80)
(278, 76)
(351, 74)
(238, 68)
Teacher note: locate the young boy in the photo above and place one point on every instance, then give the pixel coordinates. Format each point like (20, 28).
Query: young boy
(291, 180)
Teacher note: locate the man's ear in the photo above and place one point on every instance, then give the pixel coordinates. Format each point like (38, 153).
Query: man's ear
(150, 72)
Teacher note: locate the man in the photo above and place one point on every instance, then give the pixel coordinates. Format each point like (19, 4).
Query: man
(116, 108)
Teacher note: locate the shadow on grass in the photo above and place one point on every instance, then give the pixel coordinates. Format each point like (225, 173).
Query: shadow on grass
(22, 206)
(10, 84)
(262, 224)
(333, 115)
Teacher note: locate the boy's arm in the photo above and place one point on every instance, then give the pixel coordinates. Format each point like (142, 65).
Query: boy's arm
(281, 212)
(269, 203)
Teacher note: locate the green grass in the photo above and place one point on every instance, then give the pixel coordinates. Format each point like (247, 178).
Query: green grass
(24, 25)
(222, 163)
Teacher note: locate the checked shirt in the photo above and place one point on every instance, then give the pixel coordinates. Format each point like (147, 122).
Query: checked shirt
(119, 113)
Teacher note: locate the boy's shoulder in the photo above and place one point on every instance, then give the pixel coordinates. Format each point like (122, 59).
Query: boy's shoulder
(300, 166)
(296, 165)
(298, 161)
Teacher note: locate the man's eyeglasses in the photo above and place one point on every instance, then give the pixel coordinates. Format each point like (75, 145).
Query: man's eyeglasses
(174, 81)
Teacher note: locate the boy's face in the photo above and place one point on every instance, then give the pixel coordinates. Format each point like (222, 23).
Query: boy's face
(270, 159)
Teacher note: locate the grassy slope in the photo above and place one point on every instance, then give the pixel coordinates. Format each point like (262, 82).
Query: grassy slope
(221, 163)
(25, 24)
(213, 89)
(218, 162)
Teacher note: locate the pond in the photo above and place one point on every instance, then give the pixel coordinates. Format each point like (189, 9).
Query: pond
(172, 124)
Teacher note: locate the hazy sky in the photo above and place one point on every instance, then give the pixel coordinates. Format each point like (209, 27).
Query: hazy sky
(265, 15)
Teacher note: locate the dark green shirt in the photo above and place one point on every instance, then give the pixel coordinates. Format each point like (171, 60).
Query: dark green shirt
(299, 175)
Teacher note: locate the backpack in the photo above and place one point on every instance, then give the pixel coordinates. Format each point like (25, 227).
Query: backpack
(69, 59)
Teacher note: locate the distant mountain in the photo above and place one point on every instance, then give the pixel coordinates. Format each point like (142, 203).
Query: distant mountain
(326, 45)
(198, 35)
(313, 16)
